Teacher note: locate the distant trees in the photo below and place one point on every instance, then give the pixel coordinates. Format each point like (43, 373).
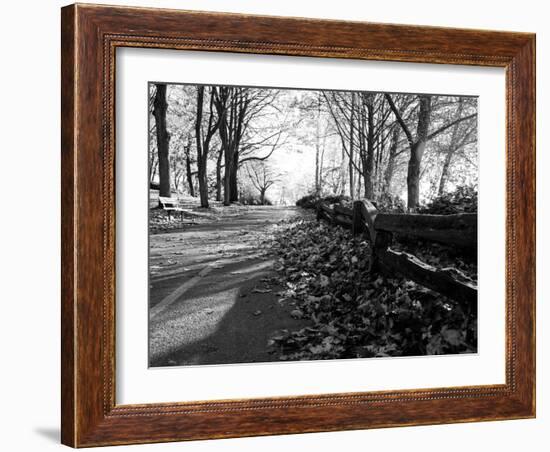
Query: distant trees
(314, 131)
(262, 177)
(219, 141)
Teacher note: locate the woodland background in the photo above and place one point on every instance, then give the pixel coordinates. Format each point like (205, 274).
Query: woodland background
(220, 147)
(275, 146)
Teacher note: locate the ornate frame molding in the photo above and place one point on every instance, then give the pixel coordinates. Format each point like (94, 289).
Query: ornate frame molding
(90, 37)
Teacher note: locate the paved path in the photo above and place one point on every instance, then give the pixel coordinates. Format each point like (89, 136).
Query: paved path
(213, 299)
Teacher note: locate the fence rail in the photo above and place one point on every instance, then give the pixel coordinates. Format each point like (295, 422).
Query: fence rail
(459, 230)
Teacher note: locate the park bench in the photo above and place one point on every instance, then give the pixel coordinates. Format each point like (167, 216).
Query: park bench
(171, 205)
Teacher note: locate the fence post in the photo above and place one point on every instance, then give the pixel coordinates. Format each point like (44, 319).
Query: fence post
(382, 242)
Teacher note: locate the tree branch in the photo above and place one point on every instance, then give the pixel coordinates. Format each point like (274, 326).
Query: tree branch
(442, 129)
(399, 118)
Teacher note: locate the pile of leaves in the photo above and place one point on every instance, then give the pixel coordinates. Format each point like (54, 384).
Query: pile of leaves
(440, 256)
(463, 199)
(160, 221)
(337, 199)
(310, 201)
(389, 203)
(353, 313)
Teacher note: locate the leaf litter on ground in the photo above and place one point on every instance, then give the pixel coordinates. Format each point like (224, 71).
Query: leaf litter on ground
(323, 271)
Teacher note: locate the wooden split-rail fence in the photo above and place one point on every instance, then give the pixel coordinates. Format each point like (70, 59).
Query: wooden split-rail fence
(458, 230)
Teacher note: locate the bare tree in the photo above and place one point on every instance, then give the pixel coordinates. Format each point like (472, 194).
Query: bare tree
(231, 107)
(342, 109)
(203, 137)
(364, 143)
(361, 121)
(262, 178)
(237, 107)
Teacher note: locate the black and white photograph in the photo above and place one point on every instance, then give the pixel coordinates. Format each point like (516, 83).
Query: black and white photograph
(275, 226)
(290, 224)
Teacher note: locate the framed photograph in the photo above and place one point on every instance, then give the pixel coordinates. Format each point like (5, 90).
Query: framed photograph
(281, 225)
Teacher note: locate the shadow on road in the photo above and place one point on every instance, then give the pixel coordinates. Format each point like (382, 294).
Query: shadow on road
(224, 322)
(228, 316)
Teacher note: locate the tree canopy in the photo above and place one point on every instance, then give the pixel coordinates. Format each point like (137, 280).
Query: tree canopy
(274, 146)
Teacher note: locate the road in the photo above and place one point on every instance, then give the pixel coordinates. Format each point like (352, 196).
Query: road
(212, 293)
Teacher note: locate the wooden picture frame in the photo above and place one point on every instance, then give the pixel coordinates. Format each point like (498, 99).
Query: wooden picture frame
(90, 36)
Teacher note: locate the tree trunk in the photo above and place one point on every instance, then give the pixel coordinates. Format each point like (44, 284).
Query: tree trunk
(152, 166)
(417, 151)
(188, 171)
(226, 150)
(413, 175)
(163, 140)
(153, 172)
(351, 144)
(343, 172)
(203, 184)
(177, 178)
(231, 105)
(219, 176)
(369, 163)
(203, 138)
(317, 186)
(228, 162)
(202, 150)
(380, 147)
(388, 175)
(321, 165)
(358, 187)
(445, 172)
(233, 185)
(318, 149)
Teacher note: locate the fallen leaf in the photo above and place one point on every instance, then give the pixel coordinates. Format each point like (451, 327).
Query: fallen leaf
(297, 314)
